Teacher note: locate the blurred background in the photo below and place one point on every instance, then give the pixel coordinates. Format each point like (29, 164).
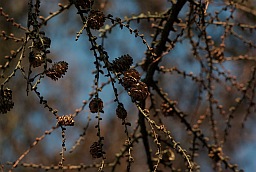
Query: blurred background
(29, 119)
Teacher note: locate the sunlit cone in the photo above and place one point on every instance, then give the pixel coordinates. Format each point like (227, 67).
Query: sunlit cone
(139, 91)
(96, 19)
(6, 103)
(66, 120)
(121, 112)
(96, 150)
(96, 105)
(36, 60)
(133, 73)
(130, 78)
(57, 70)
(122, 63)
(128, 82)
